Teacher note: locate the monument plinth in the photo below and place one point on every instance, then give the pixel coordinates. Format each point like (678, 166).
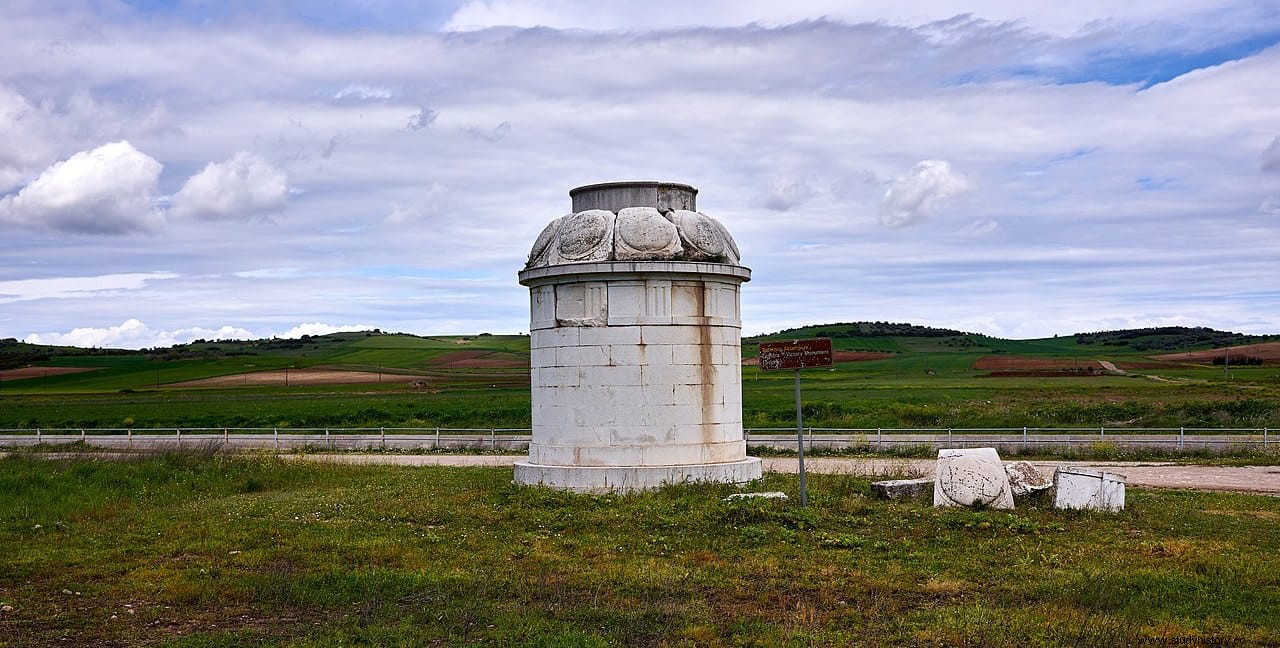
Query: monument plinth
(635, 346)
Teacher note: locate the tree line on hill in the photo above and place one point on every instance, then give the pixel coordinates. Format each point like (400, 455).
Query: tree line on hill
(1168, 338)
(866, 329)
(15, 354)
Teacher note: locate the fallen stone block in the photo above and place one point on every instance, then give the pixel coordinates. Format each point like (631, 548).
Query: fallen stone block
(971, 477)
(1026, 479)
(897, 489)
(1085, 488)
(767, 495)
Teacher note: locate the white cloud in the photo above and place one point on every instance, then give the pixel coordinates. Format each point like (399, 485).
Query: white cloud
(1270, 206)
(269, 273)
(107, 190)
(1056, 147)
(489, 134)
(77, 287)
(23, 131)
(243, 187)
(431, 203)
(918, 194)
(363, 93)
(320, 328)
(786, 194)
(133, 334)
(1059, 18)
(980, 227)
(422, 118)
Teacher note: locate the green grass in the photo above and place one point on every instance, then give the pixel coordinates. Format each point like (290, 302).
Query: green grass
(187, 550)
(928, 382)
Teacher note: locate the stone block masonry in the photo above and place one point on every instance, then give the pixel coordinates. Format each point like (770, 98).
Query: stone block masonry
(635, 353)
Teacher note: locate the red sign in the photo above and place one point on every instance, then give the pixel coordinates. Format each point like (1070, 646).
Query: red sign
(795, 354)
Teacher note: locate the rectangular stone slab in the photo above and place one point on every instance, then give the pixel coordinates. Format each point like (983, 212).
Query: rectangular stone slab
(1085, 488)
(898, 489)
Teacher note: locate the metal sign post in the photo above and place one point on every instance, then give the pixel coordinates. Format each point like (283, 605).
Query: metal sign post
(804, 490)
(797, 355)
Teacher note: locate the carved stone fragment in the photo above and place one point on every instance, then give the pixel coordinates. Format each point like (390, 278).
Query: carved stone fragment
(641, 233)
(1085, 488)
(971, 477)
(586, 236)
(898, 489)
(1025, 479)
(702, 240)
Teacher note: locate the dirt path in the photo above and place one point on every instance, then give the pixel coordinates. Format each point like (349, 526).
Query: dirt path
(1249, 479)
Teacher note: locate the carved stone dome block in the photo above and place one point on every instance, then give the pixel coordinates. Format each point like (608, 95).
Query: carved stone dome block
(633, 221)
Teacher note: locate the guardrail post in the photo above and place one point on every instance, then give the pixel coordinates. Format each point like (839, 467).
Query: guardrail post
(493, 439)
(1024, 438)
(178, 431)
(225, 436)
(82, 438)
(949, 443)
(879, 438)
(1102, 432)
(327, 440)
(383, 431)
(437, 445)
(130, 438)
(37, 435)
(275, 434)
(1182, 433)
(1264, 437)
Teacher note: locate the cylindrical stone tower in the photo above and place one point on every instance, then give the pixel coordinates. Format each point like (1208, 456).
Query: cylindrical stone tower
(635, 344)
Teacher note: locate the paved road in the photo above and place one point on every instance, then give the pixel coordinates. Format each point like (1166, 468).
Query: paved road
(1251, 479)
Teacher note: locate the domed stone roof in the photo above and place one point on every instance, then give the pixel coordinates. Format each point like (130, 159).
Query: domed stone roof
(633, 221)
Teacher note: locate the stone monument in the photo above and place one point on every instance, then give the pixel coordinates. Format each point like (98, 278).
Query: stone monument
(635, 346)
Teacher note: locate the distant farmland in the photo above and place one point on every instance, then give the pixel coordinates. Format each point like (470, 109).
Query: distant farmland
(885, 376)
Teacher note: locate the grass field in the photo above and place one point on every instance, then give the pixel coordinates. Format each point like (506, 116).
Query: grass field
(189, 550)
(928, 382)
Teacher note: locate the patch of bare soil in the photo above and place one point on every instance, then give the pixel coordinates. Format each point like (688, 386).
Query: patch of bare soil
(1027, 363)
(1268, 352)
(40, 372)
(300, 377)
(479, 360)
(836, 356)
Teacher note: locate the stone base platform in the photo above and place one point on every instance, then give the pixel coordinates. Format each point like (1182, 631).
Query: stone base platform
(606, 479)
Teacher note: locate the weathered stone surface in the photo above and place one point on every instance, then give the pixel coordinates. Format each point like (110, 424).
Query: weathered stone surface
(586, 236)
(605, 479)
(543, 251)
(635, 354)
(642, 221)
(702, 239)
(641, 233)
(1025, 479)
(897, 489)
(1085, 488)
(768, 495)
(971, 477)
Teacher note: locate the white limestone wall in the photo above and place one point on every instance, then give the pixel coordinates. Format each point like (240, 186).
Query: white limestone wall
(636, 370)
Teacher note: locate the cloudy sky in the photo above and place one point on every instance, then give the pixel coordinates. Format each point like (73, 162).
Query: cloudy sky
(171, 170)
